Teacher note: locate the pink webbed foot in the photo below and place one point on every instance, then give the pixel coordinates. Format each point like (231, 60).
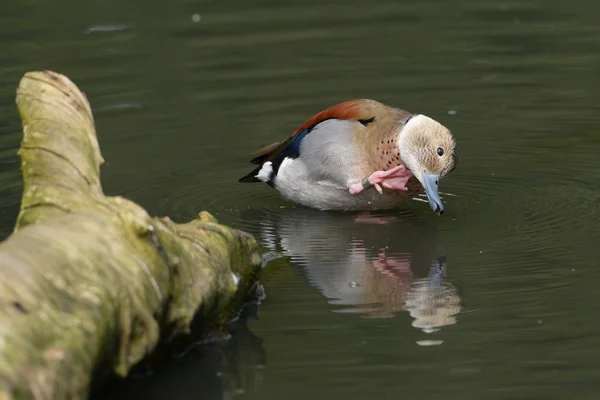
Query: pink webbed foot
(395, 179)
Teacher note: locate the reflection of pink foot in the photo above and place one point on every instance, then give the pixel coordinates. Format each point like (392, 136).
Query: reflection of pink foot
(367, 218)
(398, 267)
(395, 179)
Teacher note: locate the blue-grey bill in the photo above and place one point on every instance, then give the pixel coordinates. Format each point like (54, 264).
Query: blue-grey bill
(430, 183)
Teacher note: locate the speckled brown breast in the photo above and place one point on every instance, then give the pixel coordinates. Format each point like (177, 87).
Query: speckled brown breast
(388, 156)
(414, 187)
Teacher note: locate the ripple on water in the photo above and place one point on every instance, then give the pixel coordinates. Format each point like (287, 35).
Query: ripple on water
(106, 28)
(531, 242)
(122, 106)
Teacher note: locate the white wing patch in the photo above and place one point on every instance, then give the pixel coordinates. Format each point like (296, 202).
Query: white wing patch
(285, 164)
(265, 172)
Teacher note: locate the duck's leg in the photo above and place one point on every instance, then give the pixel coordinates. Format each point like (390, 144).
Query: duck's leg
(395, 179)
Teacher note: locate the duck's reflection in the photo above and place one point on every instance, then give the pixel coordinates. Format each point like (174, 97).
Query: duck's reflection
(375, 266)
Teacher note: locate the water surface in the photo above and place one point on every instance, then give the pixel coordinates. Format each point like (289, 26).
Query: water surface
(496, 299)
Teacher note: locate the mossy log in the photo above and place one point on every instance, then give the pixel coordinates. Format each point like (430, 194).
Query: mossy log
(89, 281)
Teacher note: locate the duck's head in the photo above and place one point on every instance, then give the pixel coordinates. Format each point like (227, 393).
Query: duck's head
(429, 151)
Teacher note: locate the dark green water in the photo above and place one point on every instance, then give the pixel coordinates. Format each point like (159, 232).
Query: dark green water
(361, 308)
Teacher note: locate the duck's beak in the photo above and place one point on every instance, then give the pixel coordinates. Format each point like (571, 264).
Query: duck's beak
(430, 183)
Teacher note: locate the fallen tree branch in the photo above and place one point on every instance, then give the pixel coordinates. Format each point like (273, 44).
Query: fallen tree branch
(89, 281)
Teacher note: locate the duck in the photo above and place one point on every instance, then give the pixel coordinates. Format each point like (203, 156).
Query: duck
(359, 155)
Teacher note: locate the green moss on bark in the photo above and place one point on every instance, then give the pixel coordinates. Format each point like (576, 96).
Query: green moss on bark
(89, 280)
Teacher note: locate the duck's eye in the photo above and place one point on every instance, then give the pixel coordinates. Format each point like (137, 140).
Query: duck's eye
(440, 151)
